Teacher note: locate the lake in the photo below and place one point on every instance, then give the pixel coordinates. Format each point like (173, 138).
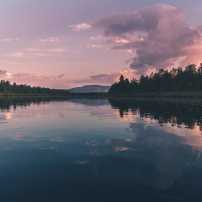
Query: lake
(99, 150)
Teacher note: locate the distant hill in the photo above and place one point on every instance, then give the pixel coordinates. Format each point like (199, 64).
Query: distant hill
(90, 89)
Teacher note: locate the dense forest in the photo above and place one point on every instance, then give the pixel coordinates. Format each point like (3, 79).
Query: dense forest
(180, 79)
(8, 88)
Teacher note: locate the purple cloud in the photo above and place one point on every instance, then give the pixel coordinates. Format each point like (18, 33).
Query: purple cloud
(157, 36)
(109, 78)
(98, 78)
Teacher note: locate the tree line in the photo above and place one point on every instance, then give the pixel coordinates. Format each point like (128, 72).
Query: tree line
(12, 88)
(188, 78)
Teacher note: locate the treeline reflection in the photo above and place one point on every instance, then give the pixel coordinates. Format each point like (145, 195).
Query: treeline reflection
(7, 103)
(174, 113)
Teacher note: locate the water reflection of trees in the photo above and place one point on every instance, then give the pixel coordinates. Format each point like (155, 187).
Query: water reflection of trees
(165, 112)
(175, 113)
(14, 102)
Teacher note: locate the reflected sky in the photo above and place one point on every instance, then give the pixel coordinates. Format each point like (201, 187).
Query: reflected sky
(91, 146)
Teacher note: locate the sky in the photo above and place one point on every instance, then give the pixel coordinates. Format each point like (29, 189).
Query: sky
(68, 43)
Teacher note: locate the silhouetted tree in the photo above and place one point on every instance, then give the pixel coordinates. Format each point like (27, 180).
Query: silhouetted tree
(188, 78)
(7, 88)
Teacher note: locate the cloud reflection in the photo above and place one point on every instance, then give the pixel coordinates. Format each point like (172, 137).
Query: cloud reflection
(188, 128)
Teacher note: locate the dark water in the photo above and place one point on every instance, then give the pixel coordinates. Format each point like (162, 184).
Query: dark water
(99, 151)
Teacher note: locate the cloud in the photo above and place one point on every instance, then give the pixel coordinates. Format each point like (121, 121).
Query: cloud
(63, 80)
(18, 54)
(95, 46)
(36, 52)
(5, 75)
(80, 27)
(108, 79)
(97, 79)
(52, 81)
(105, 78)
(50, 40)
(155, 36)
(58, 81)
(9, 40)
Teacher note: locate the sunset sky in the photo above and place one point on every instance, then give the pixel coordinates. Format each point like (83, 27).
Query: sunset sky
(67, 43)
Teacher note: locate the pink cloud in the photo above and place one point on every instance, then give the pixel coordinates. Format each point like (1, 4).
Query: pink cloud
(108, 79)
(80, 27)
(155, 36)
(37, 52)
(50, 40)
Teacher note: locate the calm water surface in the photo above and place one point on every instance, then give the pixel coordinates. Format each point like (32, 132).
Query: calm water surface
(96, 150)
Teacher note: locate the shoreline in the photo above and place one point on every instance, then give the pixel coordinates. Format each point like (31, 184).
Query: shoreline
(150, 96)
